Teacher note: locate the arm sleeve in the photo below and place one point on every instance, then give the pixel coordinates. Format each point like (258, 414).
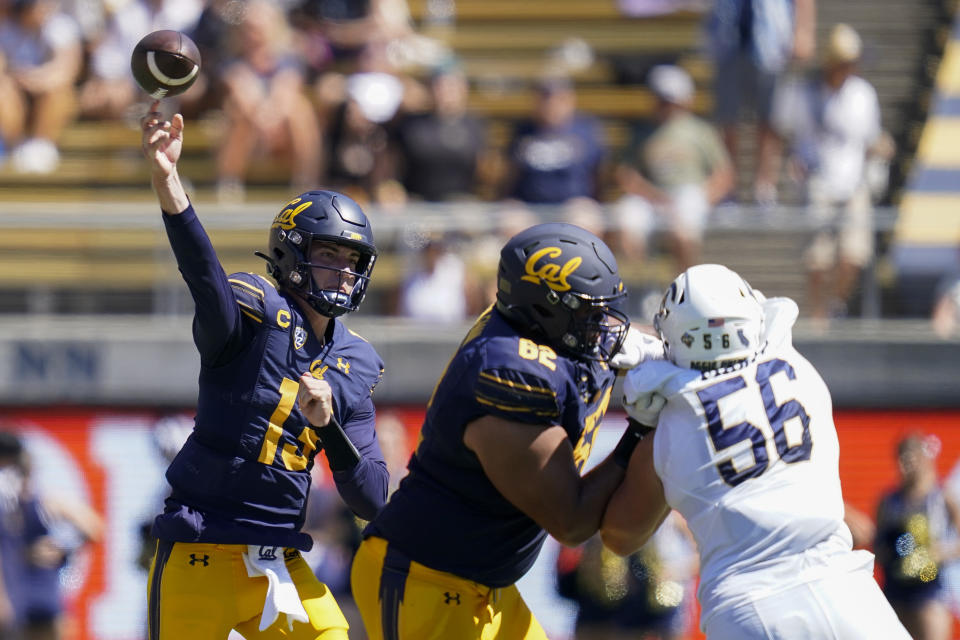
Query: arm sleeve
(218, 327)
(364, 487)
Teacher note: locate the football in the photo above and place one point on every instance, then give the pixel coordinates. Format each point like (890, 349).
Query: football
(165, 63)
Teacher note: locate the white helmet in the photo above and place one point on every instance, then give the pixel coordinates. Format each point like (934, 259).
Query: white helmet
(710, 318)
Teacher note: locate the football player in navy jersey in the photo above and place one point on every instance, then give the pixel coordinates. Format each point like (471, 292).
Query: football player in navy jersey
(506, 435)
(280, 378)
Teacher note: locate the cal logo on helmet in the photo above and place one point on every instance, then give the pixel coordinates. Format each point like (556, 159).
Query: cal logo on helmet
(285, 219)
(554, 274)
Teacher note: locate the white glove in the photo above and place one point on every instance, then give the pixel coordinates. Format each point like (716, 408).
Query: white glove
(637, 347)
(643, 390)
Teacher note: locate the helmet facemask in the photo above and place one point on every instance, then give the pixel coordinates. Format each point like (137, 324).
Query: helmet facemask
(333, 299)
(596, 329)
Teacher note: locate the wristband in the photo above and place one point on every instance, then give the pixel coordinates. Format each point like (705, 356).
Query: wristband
(628, 442)
(341, 454)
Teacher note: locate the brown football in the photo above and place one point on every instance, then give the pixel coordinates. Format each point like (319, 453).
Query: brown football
(165, 63)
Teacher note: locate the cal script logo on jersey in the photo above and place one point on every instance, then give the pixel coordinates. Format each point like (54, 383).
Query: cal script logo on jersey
(554, 274)
(284, 219)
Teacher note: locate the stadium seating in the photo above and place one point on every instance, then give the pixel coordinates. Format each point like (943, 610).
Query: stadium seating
(927, 237)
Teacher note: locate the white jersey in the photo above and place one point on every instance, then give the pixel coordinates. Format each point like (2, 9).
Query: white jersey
(750, 458)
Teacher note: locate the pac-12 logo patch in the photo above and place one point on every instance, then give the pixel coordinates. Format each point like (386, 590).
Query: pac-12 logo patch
(299, 337)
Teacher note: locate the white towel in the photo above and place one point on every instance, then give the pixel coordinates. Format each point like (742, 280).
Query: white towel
(282, 596)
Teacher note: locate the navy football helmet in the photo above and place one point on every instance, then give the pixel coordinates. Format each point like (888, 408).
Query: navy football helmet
(320, 216)
(561, 282)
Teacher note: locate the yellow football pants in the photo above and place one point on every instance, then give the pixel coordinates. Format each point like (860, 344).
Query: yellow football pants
(202, 591)
(404, 600)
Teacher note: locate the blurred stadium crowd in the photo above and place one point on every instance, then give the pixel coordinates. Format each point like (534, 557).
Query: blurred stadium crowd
(660, 119)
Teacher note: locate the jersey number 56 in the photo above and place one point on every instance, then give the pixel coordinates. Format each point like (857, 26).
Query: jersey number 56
(725, 436)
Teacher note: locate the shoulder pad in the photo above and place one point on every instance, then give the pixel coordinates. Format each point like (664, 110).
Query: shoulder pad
(516, 395)
(259, 299)
(250, 292)
(779, 315)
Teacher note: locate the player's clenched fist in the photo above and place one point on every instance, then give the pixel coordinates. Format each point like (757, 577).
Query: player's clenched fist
(316, 400)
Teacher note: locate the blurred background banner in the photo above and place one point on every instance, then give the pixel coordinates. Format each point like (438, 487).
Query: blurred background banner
(112, 459)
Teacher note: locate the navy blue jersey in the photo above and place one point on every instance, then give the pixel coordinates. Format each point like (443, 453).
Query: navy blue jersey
(243, 475)
(446, 514)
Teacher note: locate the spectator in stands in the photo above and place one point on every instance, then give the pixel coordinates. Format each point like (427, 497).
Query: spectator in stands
(558, 153)
(211, 33)
(266, 104)
(945, 318)
(109, 91)
(832, 123)
(40, 59)
(361, 158)
(38, 534)
(679, 169)
(914, 522)
(441, 151)
(336, 33)
(439, 288)
(752, 43)
(11, 542)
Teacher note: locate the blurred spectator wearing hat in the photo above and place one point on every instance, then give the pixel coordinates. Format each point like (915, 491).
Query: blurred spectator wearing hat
(40, 59)
(677, 170)
(917, 524)
(754, 43)
(557, 154)
(832, 123)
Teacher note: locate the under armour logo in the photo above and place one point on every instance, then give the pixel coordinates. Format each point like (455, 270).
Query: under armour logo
(451, 597)
(343, 365)
(205, 559)
(268, 553)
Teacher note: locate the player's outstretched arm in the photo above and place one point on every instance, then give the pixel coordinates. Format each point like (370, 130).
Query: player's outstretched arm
(533, 467)
(637, 507)
(162, 142)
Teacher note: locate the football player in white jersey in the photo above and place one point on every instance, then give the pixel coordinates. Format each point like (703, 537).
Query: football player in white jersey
(745, 448)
